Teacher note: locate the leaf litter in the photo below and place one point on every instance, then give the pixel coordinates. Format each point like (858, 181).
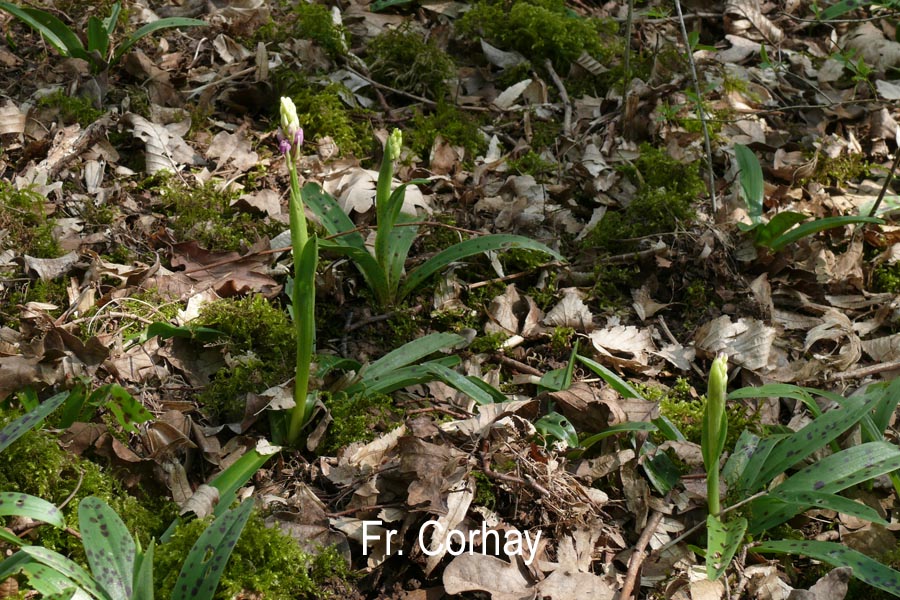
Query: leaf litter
(811, 314)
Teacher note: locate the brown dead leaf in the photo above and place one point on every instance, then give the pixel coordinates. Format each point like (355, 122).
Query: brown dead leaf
(570, 311)
(624, 339)
(228, 273)
(502, 580)
(748, 342)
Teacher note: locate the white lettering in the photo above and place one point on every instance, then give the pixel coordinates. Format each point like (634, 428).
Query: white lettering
(533, 548)
(423, 546)
(513, 543)
(369, 538)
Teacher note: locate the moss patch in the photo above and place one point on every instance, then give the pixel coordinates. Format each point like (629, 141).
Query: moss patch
(540, 29)
(356, 418)
(259, 340)
(265, 563)
(37, 465)
(204, 213)
(455, 126)
(401, 59)
(71, 109)
(28, 229)
(667, 190)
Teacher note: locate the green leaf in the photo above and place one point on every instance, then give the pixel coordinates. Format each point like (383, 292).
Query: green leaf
(752, 183)
(52, 584)
(52, 29)
(816, 226)
(557, 426)
(203, 567)
(615, 382)
(825, 500)
(722, 542)
(459, 382)
(26, 422)
(400, 377)
(465, 249)
(840, 9)
(143, 575)
(149, 28)
(229, 481)
(614, 429)
(410, 353)
(330, 215)
(109, 547)
(110, 22)
(828, 476)
(24, 505)
(98, 39)
(780, 223)
(380, 5)
(865, 569)
(65, 567)
(812, 437)
(371, 271)
(398, 242)
(660, 470)
(124, 406)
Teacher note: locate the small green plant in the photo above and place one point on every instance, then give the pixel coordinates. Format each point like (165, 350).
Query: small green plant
(539, 29)
(120, 569)
(23, 217)
(396, 232)
(306, 258)
(779, 231)
(72, 109)
(667, 190)
(401, 59)
(99, 51)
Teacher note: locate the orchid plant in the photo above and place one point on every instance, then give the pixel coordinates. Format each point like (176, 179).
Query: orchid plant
(306, 257)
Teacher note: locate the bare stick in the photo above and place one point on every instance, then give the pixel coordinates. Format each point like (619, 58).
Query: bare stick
(638, 555)
(701, 113)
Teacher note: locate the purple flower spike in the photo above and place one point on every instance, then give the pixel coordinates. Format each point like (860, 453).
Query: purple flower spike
(298, 137)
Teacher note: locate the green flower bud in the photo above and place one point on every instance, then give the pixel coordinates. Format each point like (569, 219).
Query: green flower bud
(290, 123)
(394, 144)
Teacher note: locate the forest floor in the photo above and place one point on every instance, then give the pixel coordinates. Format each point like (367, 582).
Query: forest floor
(145, 258)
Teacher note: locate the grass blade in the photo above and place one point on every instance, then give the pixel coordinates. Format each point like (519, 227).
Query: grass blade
(52, 29)
(816, 226)
(468, 248)
(614, 381)
(458, 382)
(149, 28)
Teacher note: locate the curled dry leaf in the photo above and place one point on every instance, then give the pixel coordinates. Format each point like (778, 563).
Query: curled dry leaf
(570, 311)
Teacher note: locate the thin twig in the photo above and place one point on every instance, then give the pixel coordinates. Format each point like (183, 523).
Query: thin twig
(703, 523)
(518, 365)
(478, 284)
(701, 113)
(412, 96)
(564, 96)
(638, 555)
(380, 318)
(865, 371)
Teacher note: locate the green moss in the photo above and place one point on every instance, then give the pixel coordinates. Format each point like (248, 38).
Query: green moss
(685, 409)
(561, 338)
(612, 285)
(886, 278)
(540, 29)
(306, 21)
(35, 464)
(265, 563)
(401, 59)
(356, 418)
(27, 228)
(72, 109)
(322, 112)
(489, 342)
(667, 190)
(485, 494)
(457, 127)
(841, 169)
(204, 213)
(260, 341)
(531, 163)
